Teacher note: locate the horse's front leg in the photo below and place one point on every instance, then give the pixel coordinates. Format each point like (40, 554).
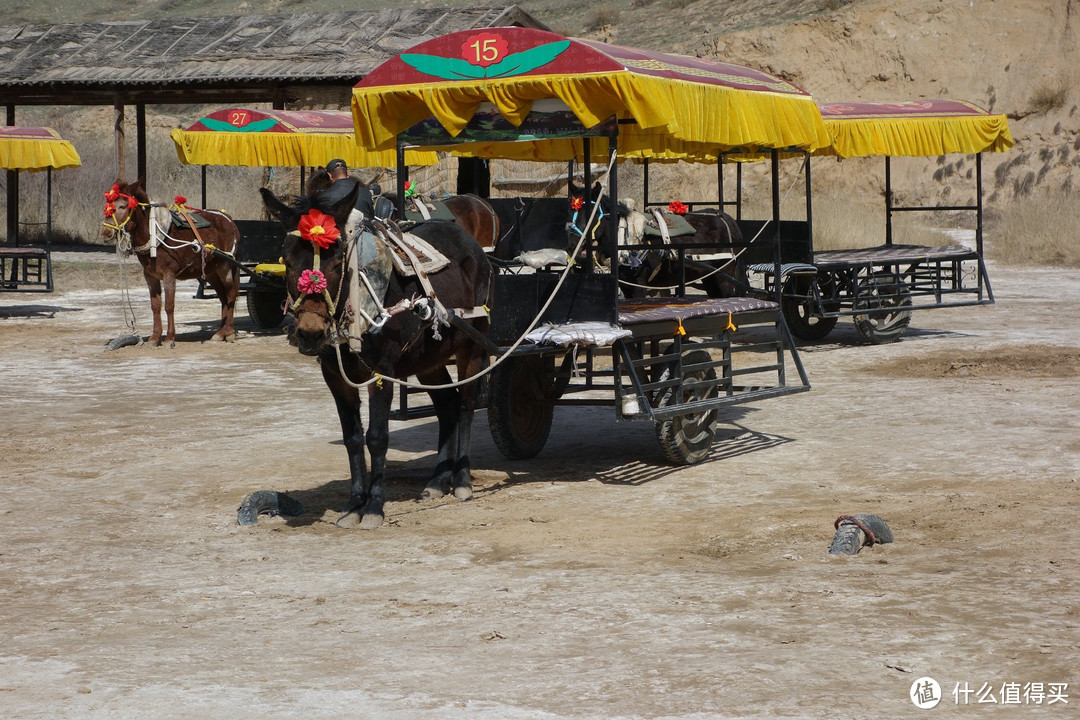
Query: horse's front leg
(347, 402)
(169, 282)
(378, 442)
(155, 307)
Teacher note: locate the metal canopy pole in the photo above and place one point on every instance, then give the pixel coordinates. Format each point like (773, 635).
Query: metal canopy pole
(979, 215)
(12, 192)
(888, 200)
(775, 154)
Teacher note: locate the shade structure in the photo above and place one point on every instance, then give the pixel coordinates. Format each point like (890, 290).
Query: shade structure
(662, 105)
(35, 149)
(280, 138)
(914, 128)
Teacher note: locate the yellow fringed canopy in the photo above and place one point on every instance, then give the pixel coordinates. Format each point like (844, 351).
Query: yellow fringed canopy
(436, 93)
(280, 138)
(35, 149)
(916, 128)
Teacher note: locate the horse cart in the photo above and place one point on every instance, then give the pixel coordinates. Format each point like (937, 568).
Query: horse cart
(561, 333)
(251, 137)
(28, 268)
(879, 286)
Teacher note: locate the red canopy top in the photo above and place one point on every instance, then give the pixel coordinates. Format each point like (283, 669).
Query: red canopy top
(276, 121)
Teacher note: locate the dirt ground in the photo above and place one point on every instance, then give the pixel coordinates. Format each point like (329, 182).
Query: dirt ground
(592, 582)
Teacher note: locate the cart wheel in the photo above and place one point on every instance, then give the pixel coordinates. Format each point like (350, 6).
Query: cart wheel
(266, 308)
(888, 299)
(800, 310)
(687, 439)
(520, 413)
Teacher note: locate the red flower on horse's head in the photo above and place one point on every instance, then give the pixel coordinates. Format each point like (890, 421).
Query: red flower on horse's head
(110, 209)
(484, 49)
(319, 228)
(180, 200)
(576, 203)
(311, 281)
(112, 193)
(677, 207)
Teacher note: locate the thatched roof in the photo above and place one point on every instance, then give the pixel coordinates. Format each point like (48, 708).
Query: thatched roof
(224, 59)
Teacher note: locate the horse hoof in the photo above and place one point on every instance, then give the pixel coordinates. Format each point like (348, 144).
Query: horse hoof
(432, 493)
(230, 338)
(172, 344)
(371, 521)
(463, 492)
(349, 520)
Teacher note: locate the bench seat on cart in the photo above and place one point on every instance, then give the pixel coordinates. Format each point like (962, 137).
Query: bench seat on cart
(703, 316)
(836, 259)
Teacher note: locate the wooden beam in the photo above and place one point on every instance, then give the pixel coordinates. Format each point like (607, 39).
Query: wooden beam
(118, 134)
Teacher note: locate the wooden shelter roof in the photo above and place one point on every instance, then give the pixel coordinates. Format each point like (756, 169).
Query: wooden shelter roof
(222, 59)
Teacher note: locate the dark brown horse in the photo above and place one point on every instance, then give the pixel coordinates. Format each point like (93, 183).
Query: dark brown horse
(406, 345)
(169, 252)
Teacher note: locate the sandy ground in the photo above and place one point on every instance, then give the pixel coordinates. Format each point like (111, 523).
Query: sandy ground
(592, 582)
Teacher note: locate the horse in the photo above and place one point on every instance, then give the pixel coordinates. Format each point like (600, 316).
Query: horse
(471, 212)
(179, 252)
(404, 345)
(656, 267)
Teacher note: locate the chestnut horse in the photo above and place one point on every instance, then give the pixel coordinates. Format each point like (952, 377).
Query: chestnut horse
(404, 346)
(168, 254)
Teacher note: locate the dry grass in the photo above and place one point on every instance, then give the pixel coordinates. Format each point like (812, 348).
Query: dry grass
(1038, 231)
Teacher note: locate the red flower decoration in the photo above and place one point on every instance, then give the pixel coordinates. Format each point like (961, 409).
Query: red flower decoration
(677, 207)
(484, 49)
(180, 200)
(576, 203)
(112, 193)
(319, 228)
(311, 281)
(110, 209)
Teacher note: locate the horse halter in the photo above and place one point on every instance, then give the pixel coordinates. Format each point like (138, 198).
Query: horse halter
(313, 282)
(111, 196)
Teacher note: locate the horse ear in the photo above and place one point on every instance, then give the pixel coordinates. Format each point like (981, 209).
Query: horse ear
(288, 215)
(344, 207)
(319, 180)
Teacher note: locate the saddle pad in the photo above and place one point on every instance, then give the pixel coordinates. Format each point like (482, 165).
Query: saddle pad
(676, 224)
(180, 221)
(431, 260)
(436, 209)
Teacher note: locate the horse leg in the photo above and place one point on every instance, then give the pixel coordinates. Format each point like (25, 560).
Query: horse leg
(469, 364)
(170, 308)
(447, 403)
(155, 307)
(378, 442)
(347, 402)
(224, 282)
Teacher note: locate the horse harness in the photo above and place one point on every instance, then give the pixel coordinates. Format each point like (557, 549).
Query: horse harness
(409, 255)
(160, 216)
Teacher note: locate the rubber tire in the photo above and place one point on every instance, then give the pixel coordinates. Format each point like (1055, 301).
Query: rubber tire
(266, 308)
(800, 314)
(519, 414)
(688, 439)
(881, 327)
